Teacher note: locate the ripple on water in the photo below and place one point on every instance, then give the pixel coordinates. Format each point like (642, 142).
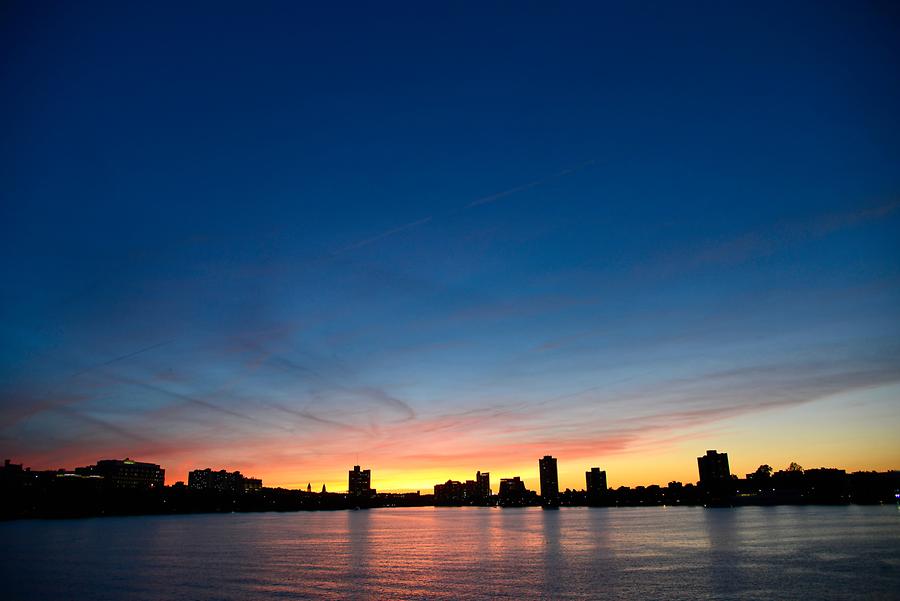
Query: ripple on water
(427, 553)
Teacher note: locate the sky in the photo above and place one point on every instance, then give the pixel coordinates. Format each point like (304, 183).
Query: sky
(285, 239)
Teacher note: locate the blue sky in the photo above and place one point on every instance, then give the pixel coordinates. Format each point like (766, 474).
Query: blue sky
(273, 238)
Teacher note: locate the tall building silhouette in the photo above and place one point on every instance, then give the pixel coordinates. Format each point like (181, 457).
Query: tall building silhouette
(596, 485)
(713, 467)
(483, 484)
(360, 482)
(715, 477)
(549, 481)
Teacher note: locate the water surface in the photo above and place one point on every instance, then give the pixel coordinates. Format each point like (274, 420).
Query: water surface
(461, 553)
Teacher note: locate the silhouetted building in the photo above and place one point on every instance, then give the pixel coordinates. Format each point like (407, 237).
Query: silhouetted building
(715, 476)
(16, 467)
(483, 484)
(470, 492)
(11, 473)
(827, 485)
(713, 467)
(513, 493)
(875, 487)
(222, 481)
(549, 481)
(596, 485)
(127, 474)
(113, 487)
(450, 492)
(360, 483)
(402, 499)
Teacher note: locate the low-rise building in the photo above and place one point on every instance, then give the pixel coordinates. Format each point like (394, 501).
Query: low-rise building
(222, 481)
(126, 474)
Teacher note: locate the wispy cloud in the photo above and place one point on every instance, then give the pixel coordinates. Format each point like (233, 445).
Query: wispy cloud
(765, 241)
(491, 198)
(534, 184)
(382, 236)
(102, 424)
(318, 419)
(185, 398)
(120, 358)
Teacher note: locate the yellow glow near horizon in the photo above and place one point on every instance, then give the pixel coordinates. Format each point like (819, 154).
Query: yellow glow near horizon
(806, 434)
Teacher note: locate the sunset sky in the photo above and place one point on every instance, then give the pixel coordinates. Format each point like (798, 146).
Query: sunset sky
(282, 239)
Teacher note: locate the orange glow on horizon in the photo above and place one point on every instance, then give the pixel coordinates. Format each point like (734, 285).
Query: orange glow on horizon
(415, 455)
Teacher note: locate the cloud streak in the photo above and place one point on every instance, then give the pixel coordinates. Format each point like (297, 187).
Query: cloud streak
(471, 205)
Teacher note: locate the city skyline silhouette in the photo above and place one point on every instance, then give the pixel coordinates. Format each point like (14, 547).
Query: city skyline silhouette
(449, 300)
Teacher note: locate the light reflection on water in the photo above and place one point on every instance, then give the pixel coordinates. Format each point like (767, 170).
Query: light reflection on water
(462, 553)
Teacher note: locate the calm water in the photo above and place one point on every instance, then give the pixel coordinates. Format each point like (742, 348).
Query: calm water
(471, 553)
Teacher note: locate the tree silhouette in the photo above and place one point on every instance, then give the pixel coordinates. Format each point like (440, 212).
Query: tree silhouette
(764, 471)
